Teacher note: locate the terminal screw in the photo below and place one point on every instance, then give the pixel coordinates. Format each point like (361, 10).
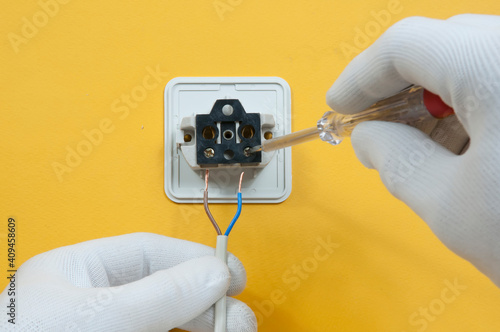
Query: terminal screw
(246, 152)
(209, 153)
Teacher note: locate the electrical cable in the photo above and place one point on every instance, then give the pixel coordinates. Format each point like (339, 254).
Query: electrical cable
(205, 204)
(209, 214)
(236, 216)
(238, 211)
(220, 320)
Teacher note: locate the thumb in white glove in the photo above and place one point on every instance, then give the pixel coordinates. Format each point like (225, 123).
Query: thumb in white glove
(457, 195)
(134, 282)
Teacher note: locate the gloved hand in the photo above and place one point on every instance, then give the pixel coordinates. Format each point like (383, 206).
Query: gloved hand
(134, 282)
(457, 195)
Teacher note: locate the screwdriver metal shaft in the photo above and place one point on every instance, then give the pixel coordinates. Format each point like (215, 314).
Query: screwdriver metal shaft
(285, 141)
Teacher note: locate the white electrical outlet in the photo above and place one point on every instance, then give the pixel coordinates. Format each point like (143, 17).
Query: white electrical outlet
(268, 181)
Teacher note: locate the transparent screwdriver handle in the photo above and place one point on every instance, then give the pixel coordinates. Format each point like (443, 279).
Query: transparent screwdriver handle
(405, 107)
(410, 106)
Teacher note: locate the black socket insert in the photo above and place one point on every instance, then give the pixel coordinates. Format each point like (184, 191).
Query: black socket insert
(223, 135)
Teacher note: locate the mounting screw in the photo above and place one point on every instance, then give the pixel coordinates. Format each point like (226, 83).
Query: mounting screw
(227, 110)
(209, 153)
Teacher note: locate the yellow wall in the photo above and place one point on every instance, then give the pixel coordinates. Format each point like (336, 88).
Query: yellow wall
(65, 77)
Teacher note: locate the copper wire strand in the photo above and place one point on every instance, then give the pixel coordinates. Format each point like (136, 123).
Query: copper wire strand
(206, 180)
(241, 180)
(205, 204)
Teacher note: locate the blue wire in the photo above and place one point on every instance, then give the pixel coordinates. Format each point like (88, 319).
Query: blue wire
(236, 216)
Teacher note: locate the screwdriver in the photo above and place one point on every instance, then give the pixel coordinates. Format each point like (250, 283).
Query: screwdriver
(410, 106)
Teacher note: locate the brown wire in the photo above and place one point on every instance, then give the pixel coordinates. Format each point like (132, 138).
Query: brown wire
(205, 204)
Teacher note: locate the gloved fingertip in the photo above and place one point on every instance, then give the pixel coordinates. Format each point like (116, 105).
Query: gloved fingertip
(240, 318)
(341, 97)
(361, 140)
(212, 266)
(238, 275)
(331, 97)
(204, 277)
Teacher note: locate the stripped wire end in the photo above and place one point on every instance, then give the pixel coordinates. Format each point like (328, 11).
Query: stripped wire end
(220, 320)
(241, 180)
(206, 180)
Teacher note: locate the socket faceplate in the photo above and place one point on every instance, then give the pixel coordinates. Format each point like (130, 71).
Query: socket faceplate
(187, 97)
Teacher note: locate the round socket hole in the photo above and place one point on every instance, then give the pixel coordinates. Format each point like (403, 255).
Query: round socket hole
(247, 131)
(268, 135)
(228, 154)
(208, 132)
(187, 138)
(228, 134)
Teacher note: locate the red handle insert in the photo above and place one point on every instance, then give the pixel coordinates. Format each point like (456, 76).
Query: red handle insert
(436, 106)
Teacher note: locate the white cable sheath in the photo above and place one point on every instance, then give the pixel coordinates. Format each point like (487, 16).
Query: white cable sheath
(220, 305)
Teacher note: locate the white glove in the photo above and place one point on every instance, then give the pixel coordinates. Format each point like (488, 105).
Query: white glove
(458, 59)
(134, 282)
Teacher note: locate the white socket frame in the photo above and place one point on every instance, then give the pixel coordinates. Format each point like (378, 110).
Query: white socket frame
(188, 96)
